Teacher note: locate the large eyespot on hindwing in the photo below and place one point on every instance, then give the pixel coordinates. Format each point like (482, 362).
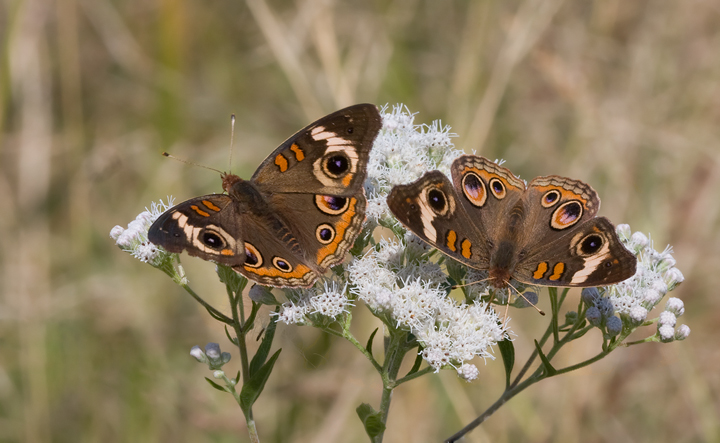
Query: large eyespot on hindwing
(550, 198)
(474, 189)
(497, 187)
(437, 201)
(325, 233)
(253, 258)
(589, 245)
(331, 205)
(281, 264)
(566, 215)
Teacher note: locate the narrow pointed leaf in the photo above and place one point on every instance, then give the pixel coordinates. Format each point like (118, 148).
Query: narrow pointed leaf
(549, 370)
(215, 385)
(369, 344)
(252, 388)
(507, 351)
(264, 348)
(416, 365)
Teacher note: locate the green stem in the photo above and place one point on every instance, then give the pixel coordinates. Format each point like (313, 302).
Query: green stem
(413, 376)
(507, 395)
(238, 323)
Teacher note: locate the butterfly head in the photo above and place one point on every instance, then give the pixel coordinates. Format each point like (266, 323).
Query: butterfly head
(228, 180)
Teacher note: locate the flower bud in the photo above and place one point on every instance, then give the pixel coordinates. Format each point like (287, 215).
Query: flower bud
(675, 305)
(682, 332)
(666, 333)
(590, 296)
(614, 325)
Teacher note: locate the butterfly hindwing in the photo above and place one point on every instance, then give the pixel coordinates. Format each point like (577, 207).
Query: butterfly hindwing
(590, 254)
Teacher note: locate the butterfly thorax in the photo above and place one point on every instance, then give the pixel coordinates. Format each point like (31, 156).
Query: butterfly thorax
(502, 264)
(244, 193)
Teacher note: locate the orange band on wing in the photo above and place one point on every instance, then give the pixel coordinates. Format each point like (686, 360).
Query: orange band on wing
(299, 154)
(299, 271)
(340, 229)
(451, 239)
(282, 162)
(210, 206)
(541, 270)
(557, 271)
(199, 211)
(466, 248)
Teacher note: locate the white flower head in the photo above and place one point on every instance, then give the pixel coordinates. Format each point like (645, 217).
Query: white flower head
(468, 372)
(682, 332)
(656, 275)
(134, 239)
(666, 333)
(331, 302)
(402, 153)
(667, 318)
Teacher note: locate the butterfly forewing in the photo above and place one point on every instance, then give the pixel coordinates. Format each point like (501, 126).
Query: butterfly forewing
(327, 157)
(429, 207)
(207, 227)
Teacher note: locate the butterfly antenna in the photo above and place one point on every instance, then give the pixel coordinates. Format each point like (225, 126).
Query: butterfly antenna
(232, 139)
(469, 284)
(523, 296)
(190, 163)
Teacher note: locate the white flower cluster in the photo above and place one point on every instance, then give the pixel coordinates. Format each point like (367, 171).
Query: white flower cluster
(134, 239)
(656, 275)
(402, 153)
(328, 302)
(407, 289)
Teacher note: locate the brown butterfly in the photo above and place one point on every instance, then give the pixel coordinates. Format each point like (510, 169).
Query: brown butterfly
(545, 233)
(299, 213)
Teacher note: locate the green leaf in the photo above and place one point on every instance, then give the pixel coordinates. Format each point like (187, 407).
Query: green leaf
(237, 377)
(252, 388)
(507, 351)
(231, 279)
(369, 344)
(264, 348)
(215, 385)
(416, 365)
(549, 370)
(232, 340)
(371, 419)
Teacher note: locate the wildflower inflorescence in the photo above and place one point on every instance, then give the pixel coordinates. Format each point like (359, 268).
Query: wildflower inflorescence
(134, 238)
(627, 304)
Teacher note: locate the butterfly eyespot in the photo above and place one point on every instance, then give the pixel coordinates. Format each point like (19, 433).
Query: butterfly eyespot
(566, 215)
(329, 204)
(350, 130)
(498, 188)
(591, 244)
(325, 233)
(281, 264)
(437, 201)
(212, 240)
(336, 165)
(474, 189)
(608, 264)
(550, 198)
(253, 258)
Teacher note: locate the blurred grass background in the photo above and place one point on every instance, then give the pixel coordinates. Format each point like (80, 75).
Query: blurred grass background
(94, 344)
